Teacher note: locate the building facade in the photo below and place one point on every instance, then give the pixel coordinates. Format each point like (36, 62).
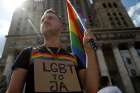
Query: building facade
(118, 49)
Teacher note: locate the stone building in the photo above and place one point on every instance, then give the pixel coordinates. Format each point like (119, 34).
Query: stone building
(118, 49)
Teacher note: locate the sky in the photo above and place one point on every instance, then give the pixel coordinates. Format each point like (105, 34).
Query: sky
(8, 6)
(6, 10)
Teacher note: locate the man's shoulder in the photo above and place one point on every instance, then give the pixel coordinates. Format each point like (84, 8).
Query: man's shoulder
(25, 51)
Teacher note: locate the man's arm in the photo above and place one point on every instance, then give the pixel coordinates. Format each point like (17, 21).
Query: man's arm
(92, 73)
(90, 76)
(17, 81)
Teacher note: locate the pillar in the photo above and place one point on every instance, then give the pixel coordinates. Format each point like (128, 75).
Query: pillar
(123, 71)
(135, 57)
(101, 61)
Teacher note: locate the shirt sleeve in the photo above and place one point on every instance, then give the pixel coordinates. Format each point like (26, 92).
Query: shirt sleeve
(23, 59)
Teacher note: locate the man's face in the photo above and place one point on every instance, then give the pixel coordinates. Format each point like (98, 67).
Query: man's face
(50, 24)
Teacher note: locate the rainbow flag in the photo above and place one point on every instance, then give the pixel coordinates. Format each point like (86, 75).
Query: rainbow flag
(76, 30)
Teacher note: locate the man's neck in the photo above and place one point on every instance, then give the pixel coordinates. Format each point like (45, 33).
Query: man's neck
(52, 42)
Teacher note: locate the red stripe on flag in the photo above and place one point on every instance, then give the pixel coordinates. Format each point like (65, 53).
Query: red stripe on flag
(73, 18)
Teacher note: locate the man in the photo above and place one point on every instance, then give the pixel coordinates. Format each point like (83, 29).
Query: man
(51, 27)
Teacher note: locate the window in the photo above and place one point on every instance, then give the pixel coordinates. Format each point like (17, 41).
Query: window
(109, 4)
(108, 14)
(122, 18)
(120, 14)
(118, 21)
(114, 19)
(115, 5)
(125, 23)
(104, 5)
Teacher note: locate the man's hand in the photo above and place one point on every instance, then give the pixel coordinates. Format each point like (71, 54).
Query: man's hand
(88, 36)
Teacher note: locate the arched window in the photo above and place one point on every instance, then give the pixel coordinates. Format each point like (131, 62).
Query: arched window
(109, 4)
(115, 5)
(104, 5)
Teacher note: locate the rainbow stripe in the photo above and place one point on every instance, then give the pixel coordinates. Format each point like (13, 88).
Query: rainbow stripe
(76, 29)
(47, 56)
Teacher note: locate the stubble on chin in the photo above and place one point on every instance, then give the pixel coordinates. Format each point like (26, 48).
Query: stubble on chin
(50, 33)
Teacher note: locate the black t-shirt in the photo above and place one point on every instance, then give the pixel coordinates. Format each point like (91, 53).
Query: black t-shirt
(23, 60)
